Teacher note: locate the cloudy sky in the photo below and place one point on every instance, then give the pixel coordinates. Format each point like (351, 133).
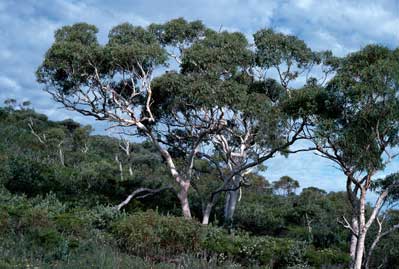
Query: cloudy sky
(27, 27)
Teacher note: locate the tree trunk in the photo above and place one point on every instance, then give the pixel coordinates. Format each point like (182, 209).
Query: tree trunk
(130, 170)
(120, 167)
(232, 199)
(183, 197)
(362, 231)
(207, 213)
(309, 225)
(183, 183)
(353, 242)
(230, 205)
(360, 249)
(61, 154)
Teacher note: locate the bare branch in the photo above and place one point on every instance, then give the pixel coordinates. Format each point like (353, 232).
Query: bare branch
(144, 193)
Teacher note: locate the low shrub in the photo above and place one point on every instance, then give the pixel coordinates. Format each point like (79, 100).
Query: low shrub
(260, 250)
(155, 236)
(45, 233)
(147, 233)
(322, 258)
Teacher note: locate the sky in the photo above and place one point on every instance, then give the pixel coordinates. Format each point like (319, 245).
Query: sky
(27, 28)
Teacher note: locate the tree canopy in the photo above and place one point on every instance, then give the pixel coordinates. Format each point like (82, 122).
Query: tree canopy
(210, 98)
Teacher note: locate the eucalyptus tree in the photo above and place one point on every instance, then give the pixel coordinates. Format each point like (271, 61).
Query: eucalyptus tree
(258, 128)
(356, 125)
(286, 185)
(208, 88)
(115, 83)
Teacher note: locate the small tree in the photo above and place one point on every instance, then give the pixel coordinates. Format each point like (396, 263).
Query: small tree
(286, 185)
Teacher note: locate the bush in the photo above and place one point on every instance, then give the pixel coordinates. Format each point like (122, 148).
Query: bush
(332, 257)
(260, 250)
(147, 233)
(156, 236)
(264, 216)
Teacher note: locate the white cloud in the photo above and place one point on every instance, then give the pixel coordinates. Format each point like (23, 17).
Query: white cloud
(349, 24)
(5, 54)
(7, 83)
(304, 4)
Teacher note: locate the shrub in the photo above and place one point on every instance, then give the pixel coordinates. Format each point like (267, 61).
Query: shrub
(103, 216)
(265, 216)
(260, 250)
(332, 257)
(156, 236)
(147, 233)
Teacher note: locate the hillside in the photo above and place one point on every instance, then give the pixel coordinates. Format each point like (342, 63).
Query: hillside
(60, 186)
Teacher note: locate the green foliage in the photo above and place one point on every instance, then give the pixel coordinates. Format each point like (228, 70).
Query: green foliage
(148, 233)
(265, 215)
(276, 253)
(178, 32)
(274, 49)
(390, 183)
(90, 174)
(129, 46)
(286, 184)
(287, 54)
(57, 180)
(319, 258)
(63, 64)
(365, 87)
(218, 54)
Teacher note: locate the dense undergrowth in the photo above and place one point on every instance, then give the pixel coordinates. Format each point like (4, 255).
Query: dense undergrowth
(55, 215)
(46, 233)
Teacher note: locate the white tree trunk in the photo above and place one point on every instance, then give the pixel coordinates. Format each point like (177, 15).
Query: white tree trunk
(207, 213)
(353, 242)
(183, 183)
(232, 198)
(120, 167)
(230, 205)
(362, 232)
(61, 154)
(130, 170)
(360, 249)
(183, 197)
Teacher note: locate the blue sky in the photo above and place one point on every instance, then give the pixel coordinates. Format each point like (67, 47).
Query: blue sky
(27, 27)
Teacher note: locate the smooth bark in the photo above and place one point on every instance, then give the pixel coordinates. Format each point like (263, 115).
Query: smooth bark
(184, 184)
(230, 205)
(353, 242)
(183, 197)
(207, 213)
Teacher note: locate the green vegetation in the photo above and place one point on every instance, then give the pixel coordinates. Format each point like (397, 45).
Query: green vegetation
(56, 215)
(191, 193)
